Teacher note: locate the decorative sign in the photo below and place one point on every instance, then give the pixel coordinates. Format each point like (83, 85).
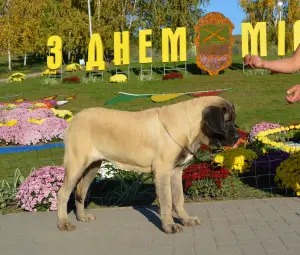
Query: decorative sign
(95, 54)
(247, 29)
(168, 38)
(143, 45)
(214, 43)
(261, 29)
(55, 44)
(121, 46)
(177, 42)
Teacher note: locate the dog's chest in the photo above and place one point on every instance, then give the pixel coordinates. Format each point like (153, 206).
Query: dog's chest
(183, 157)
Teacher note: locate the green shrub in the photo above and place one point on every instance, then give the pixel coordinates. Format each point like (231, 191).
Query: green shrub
(131, 192)
(208, 188)
(8, 190)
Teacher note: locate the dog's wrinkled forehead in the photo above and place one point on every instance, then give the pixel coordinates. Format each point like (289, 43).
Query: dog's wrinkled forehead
(229, 111)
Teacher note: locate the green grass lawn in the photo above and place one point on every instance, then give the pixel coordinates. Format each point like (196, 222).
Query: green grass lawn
(257, 98)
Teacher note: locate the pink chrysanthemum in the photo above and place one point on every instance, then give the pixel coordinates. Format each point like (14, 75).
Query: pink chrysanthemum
(39, 191)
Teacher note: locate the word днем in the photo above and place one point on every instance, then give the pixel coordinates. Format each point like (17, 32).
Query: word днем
(122, 45)
(121, 49)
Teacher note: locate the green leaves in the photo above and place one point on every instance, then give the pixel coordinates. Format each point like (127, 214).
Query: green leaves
(8, 190)
(268, 11)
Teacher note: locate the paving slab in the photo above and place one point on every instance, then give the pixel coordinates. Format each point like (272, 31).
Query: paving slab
(267, 227)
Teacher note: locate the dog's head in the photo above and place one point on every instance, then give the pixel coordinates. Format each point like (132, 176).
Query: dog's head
(218, 123)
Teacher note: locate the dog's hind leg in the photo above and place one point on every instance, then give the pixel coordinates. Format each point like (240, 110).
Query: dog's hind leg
(74, 168)
(81, 190)
(178, 199)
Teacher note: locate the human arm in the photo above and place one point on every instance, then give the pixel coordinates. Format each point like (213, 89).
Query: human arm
(285, 65)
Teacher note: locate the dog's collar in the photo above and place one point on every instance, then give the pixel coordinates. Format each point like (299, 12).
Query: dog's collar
(183, 148)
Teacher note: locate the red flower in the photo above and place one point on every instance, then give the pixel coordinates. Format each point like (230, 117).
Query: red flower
(218, 183)
(203, 171)
(172, 76)
(243, 134)
(73, 79)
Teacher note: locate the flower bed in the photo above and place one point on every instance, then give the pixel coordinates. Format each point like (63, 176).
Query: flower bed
(29, 105)
(204, 179)
(23, 126)
(283, 138)
(39, 191)
(261, 127)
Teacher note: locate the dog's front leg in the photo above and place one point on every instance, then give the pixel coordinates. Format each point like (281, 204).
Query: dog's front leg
(178, 199)
(162, 178)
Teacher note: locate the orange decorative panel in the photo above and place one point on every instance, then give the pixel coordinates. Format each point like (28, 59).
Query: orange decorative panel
(214, 43)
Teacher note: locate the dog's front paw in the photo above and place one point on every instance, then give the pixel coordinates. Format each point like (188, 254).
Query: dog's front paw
(86, 217)
(172, 228)
(191, 221)
(66, 226)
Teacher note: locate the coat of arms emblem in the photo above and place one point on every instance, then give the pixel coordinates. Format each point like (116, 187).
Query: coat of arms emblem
(214, 43)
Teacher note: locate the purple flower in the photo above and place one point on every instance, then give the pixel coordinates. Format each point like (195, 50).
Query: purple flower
(26, 133)
(39, 190)
(261, 127)
(268, 163)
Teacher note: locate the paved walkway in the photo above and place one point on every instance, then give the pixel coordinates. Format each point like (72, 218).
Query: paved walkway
(254, 227)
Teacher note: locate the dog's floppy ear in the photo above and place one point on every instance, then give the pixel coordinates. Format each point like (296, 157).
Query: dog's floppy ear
(213, 118)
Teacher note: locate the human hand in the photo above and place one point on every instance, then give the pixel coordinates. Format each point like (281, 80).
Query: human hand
(293, 94)
(254, 61)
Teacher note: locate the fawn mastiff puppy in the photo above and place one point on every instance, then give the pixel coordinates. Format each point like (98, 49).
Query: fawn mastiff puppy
(160, 140)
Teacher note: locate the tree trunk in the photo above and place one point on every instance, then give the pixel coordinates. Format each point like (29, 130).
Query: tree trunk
(9, 60)
(69, 56)
(25, 59)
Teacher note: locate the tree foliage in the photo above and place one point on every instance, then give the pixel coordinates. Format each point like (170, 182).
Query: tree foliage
(26, 25)
(269, 11)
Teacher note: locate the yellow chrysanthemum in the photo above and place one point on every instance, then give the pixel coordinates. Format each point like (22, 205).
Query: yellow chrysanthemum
(288, 173)
(36, 121)
(49, 72)
(74, 67)
(118, 78)
(10, 123)
(237, 159)
(62, 113)
(17, 77)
